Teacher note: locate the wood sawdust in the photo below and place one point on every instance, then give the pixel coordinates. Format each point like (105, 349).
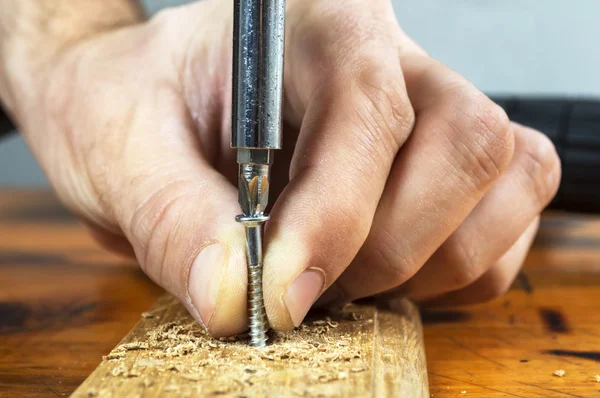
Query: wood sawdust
(356, 351)
(320, 353)
(559, 373)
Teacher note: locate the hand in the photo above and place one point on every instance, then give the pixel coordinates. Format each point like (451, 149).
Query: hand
(397, 177)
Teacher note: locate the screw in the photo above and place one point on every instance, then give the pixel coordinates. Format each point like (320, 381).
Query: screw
(259, 324)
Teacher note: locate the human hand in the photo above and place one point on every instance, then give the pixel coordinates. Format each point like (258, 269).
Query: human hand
(397, 177)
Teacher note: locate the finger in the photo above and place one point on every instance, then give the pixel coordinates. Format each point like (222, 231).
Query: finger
(460, 145)
(497, 280)
(139, 136)
(178, 213)
(356, 117)
(518, 197)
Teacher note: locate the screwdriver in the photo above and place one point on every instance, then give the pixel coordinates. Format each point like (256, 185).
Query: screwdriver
(257, 101)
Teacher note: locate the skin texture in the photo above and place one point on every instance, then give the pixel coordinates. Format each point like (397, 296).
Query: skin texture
(398, 177)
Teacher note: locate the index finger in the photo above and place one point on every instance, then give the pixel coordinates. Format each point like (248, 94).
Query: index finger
(357, 117)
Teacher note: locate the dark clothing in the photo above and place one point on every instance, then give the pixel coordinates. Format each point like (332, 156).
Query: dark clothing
(6, 126)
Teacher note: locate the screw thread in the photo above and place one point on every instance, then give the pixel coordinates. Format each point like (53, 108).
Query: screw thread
(258, 316)
(258, 322)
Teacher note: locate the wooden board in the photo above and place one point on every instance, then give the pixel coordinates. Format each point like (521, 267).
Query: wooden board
(65, 302)
(358, 351)
(549, 321)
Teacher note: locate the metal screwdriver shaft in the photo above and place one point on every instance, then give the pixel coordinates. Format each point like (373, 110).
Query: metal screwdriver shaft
(253, 196)
(258, 43)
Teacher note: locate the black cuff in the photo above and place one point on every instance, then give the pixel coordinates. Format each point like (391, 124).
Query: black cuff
(574, 127)
(6, 126)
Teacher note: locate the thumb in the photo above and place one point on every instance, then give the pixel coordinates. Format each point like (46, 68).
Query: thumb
(179, 216)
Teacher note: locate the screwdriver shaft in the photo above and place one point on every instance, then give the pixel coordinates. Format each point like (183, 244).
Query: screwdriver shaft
(257, 102)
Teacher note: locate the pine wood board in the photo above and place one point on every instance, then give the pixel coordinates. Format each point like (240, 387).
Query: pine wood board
(358, 351)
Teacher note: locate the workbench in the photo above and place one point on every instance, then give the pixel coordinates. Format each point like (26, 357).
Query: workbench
(65, 302)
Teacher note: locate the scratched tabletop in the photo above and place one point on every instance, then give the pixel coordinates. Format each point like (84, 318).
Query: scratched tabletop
(65, 302)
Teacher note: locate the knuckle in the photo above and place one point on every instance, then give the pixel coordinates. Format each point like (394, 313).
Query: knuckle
(466, 266)
(388, 113)
(493, 288)
(348, 25)
(497, 288)
(483, 138)
(153, 224)
(542, 167)
(337, 231)
(387, 251)
(353, 221)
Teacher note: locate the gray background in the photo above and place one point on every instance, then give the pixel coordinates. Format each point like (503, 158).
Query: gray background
(508, 46)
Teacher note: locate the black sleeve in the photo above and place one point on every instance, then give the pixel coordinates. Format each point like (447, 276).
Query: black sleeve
(573, 125)
(6, 126)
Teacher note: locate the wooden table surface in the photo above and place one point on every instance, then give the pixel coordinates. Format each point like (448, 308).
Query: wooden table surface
(64, 302)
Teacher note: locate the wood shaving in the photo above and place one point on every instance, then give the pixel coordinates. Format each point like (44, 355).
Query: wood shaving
(114, 355)
(559, 373)
(119, 370)
(147, 383)
(136, 345)
(134, 373)
(171, 388)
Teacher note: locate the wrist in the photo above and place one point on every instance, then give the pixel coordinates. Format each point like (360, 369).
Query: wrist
(35, 33)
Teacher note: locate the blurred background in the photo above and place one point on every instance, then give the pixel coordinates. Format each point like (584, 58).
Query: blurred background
(541, 47)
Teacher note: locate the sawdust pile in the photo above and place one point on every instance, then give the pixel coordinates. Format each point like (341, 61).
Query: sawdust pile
(180, 359)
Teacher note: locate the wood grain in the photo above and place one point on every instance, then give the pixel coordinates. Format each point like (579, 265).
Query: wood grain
(360, 351)
(550, 320)
(64, 302)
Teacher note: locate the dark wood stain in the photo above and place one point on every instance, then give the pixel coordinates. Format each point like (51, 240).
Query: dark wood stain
(49, 211)
(429, 317)
(560, 223)
(18, 317)
(574, 242)
(554, 320)
(591, 355)
(524, 360)
(25, 258)
(524, 283)
(13, 314)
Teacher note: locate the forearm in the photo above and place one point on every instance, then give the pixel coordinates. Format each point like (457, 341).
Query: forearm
(33, 33)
